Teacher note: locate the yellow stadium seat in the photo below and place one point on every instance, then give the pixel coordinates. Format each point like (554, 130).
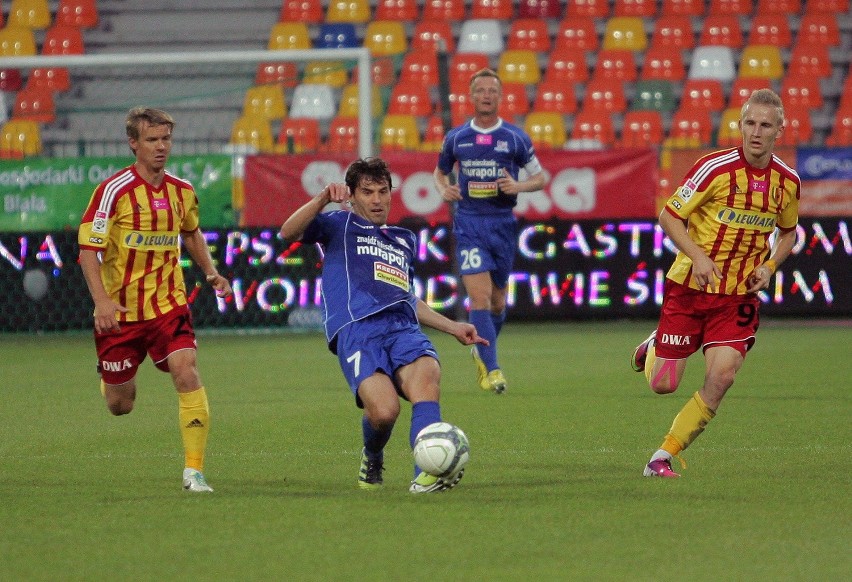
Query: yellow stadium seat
(349, 101)
(17, 41)
(331, 73)
(386, 38)
(625, 32)
(729, 135)
(519, 66)
(289, 35)
(355, 11)
(399, 133)
(33, 14)
(20, 138)
(546, 129)
(762, 61)
(253, 133)
(265, 101)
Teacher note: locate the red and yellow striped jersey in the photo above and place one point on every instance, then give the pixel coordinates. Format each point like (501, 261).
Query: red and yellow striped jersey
(137, 227)
(732, 208)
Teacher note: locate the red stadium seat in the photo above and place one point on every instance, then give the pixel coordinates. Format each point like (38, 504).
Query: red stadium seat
(692, 124)
(673, 31)
(463, 66)
(827, 7)
(594, 125)
(80, 13)
(641, 129)
(420, 66)
(528, 34)
(461, 107)
(779, 7)
(10, 80)
(539, 9)
(429, 34)
(59, 40)
(818, 28)
(433, 136)
(298, 136)
(742, 88)
(404, 10)
(309, 11)
(616, 64)
(703, 94)
(737, 7)
(556, 96)
(802, 91)
(567, 65)
(342, 135)
(644, 8)
(498, 9)
(410, 99)
(810, 59)
(841, 129)
(605, 95)
(593, 8)
(770, 28)
(722, 30)
(515, 102)
(577, 32)
(682, 7)
(284, 73)
(798, 128)
(34, 104)
(663, 62)
(449, 10)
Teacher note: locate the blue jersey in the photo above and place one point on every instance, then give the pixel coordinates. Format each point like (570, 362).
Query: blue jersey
(366, 268)
(482, 154)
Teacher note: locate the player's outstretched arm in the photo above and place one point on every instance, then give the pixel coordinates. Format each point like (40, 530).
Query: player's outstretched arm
(294, 227)
(464, 332)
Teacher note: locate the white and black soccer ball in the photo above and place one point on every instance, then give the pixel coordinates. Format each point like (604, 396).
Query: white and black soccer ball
(441, 449)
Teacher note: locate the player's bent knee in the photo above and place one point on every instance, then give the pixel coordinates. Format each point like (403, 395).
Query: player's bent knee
(120, 407)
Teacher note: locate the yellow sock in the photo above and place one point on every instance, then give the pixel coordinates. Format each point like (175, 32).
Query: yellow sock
(103, 389)
(687, 425)
(194, 416)
(650, 358)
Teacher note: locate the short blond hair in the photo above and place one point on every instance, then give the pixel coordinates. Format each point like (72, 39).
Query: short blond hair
(483, 73)
(765, 97)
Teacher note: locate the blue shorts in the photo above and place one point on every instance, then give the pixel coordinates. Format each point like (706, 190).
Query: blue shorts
(383, 343)
(486, 244)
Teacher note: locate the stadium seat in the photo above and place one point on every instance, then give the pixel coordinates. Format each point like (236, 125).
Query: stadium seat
(429, 33)
(592, 8)
(682, 8)
(410, 99)
(515, 102)
(692, 124)
(641, 8)
(298, 136)
(349, 102)
(59, 39)
(284, 73)
(519, 66)
(832, 7)
(778, 7)
(420, 66)
(80, 13)
(615, 64)
(386, 38)
(673, 30)
(461, 108)
(253, 133)
(497, 9)
(313, 100)
(546, 129)
(742, 88)
(265, 101)
(481, 36)
(818, 28)
(337, 35)
(528, 34)
(342, 135)
(736, 7)
(810, 59)
(728, 134)
(463, 66)
(841, 129)
(798, 128)
(433, 136)
(549, 9)
(20, 138)
(446, 10)
(567, 65)
(662, 62)
(594, 125)
(289, 35)
(355, 11)
(605, 95)
(721, 30)
(32, 14)
(17, 41)
(703, 94)
(770, 28)
(713, 62)
(641, 129)
(399, 133)
(35, 104)
(402, 10)
(761, 61)
(332, 73)
(654, 95)
(801, 91)
(10, 80)
(382, 72)
(577, 32)
(555, 96)
(625, 33)
(308, 11)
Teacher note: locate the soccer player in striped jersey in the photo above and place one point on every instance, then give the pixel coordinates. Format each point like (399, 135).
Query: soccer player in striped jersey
(720, 218)
(490, 154)
(129, 240)
(372, 317)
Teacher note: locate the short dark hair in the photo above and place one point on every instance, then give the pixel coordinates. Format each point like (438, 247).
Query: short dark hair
(374, 169)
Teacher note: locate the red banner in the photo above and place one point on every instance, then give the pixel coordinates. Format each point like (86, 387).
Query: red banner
(610, 184)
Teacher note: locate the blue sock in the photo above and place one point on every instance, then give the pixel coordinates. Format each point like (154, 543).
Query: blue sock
(498, 319)
(481, 319)
(422, 415)
(374, 440)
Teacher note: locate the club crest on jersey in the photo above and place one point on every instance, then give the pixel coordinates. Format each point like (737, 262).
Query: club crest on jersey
(502, 146)
(100, 223)
(687, 190)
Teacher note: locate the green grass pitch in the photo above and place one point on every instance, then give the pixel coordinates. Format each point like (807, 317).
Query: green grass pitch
(553, 491)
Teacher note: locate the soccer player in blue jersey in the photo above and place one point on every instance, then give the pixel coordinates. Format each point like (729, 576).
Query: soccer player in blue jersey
(372, 317)
(490, 154)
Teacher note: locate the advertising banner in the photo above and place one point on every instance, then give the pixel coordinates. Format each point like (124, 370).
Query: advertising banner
(581, 184)
(40, 194)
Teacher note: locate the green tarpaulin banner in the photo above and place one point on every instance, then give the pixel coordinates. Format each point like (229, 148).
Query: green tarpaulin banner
(42, 194)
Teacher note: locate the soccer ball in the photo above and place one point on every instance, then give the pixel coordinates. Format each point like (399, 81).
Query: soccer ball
(441, 449)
